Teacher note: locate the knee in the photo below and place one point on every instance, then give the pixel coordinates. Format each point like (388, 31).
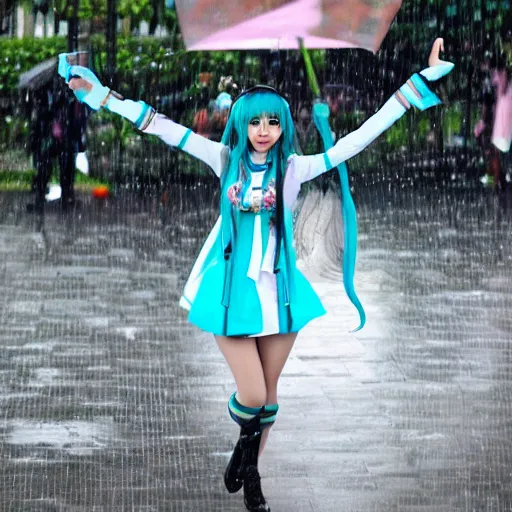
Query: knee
(262, 416)
(253, 397)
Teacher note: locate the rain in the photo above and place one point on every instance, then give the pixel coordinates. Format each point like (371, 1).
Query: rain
(111, 400)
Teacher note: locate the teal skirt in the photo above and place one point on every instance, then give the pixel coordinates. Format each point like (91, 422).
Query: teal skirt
(223, 300)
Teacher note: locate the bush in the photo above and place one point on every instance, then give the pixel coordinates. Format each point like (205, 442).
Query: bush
(20, 55)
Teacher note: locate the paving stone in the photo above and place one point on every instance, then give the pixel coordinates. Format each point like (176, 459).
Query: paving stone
(110, 401)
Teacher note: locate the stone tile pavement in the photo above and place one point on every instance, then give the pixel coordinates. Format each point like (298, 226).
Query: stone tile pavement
(111, 401)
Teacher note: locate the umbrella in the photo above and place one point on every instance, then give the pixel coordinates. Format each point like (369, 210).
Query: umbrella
(288, 24)
(276, 24)
(39, 75)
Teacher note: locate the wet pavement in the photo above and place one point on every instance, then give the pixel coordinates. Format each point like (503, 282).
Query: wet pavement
(111, 401)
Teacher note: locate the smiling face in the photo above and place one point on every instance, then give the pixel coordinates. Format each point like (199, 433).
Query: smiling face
(263, 132)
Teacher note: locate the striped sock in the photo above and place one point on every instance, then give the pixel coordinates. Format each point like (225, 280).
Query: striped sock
(268, 415)
(243, 415)
(240, 413)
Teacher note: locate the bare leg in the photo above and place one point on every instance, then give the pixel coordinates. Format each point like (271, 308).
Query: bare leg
(244, 361)
(256, 365)
(273, 352)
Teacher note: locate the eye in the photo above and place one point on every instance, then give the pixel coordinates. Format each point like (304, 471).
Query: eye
(274, 121)
(255, 121)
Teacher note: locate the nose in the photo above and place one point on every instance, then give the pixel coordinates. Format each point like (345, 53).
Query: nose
(263, 126)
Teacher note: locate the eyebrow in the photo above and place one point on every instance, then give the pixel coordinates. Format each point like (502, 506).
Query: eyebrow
(264, 114)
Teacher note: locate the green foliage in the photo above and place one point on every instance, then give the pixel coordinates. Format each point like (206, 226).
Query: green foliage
(138, 10)
(111, 131)
(15, 180)
(398, 135)
(89, 9)
(453, 119)
(22, 180)
(84, 182)
(20, 55)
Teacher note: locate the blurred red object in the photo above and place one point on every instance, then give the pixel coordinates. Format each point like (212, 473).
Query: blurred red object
(100, 192)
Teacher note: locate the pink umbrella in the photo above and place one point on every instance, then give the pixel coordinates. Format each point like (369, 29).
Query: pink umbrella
(277, 24)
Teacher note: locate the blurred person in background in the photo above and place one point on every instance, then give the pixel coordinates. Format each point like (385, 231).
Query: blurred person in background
(58, 124)
(494, 129)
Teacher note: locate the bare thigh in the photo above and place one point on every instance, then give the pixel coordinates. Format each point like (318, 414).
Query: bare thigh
(274, 351)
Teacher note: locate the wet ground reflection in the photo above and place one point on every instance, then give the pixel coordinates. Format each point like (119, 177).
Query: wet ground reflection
(112, 401)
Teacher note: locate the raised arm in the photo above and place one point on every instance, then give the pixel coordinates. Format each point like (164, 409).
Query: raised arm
(88, 89)
(415, 92)
(213, 154)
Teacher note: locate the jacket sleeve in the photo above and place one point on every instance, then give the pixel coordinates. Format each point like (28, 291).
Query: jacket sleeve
(306, 168)
(213, 154)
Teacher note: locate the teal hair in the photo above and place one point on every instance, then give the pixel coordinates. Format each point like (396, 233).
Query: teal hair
(246, 107)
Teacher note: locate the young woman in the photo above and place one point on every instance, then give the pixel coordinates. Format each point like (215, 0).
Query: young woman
(245, 287)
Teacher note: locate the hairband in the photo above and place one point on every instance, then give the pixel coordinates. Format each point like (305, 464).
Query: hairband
(262, 87)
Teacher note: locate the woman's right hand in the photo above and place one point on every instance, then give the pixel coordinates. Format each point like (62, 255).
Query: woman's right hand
(88, 89)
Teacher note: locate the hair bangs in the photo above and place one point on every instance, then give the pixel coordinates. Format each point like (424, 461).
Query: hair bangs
(263, 103)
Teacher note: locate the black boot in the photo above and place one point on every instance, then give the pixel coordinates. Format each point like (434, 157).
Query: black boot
(250, 445)
(234, 474)
(253, 497)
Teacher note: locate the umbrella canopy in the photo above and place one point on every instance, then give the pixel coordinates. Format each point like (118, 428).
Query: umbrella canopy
(277, 24)
(39, 75)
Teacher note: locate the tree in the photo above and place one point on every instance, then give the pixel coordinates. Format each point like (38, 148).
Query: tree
(6, 9)
(133, 12)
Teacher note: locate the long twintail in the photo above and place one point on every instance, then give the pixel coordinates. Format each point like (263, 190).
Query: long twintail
(348, 209)
(349, 213)
(321, 119)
